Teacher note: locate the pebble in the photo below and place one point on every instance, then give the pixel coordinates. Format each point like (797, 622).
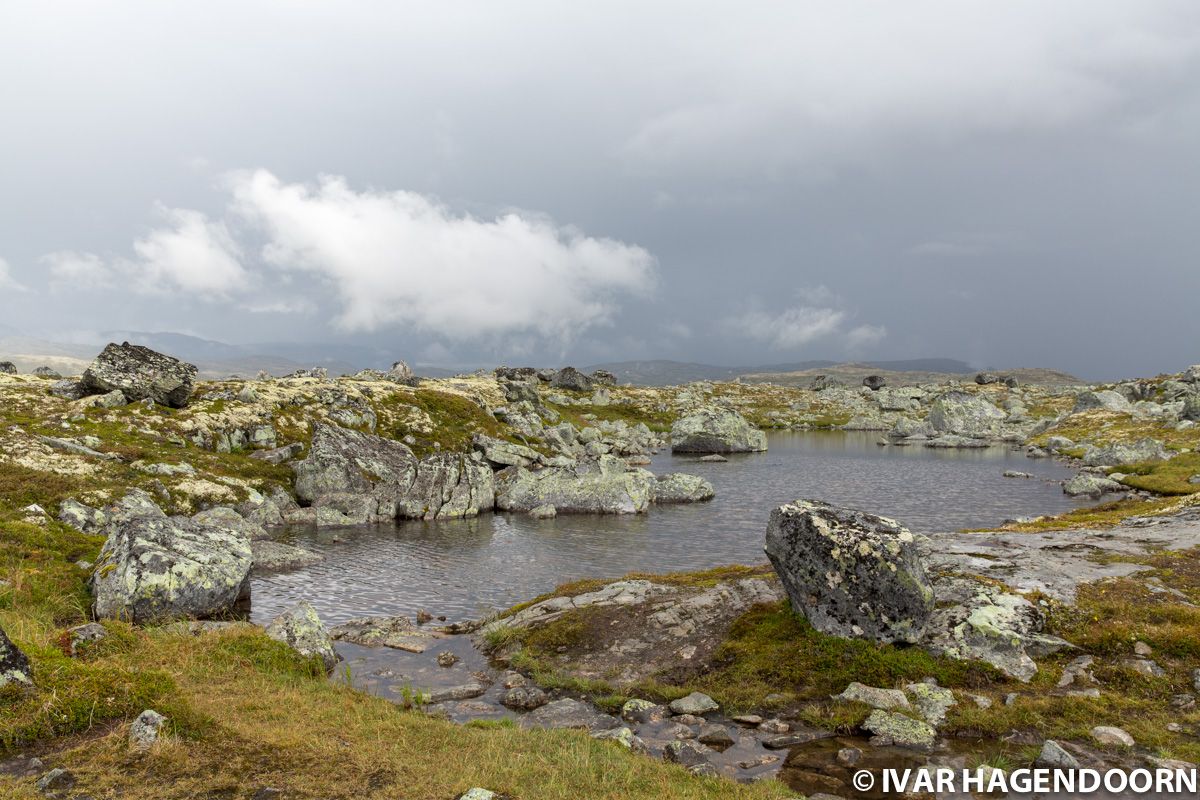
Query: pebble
(1109, 735)
(1142, 649)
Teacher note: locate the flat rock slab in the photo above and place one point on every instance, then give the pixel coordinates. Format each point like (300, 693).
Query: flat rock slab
(567, 713)
(397, 632)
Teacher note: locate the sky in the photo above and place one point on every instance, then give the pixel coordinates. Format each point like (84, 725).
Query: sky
(1011, 184)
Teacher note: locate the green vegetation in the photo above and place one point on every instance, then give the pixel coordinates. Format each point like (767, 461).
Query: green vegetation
(1164, 477)
(442, 422)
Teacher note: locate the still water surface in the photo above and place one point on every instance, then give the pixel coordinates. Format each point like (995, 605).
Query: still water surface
(464, 568)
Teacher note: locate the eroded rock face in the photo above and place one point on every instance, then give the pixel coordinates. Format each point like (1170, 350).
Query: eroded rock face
(154, 568)
(716, 430)
(962, 414)
(301, 629)
(602, 485)
(139, 373)
(14, 666)
(850, 573)
(383, 479)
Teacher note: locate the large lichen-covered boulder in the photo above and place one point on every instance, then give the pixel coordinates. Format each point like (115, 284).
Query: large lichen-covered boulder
(604, 485)
(140, 373)
(963, 414)
(716, 430)
(14, 666)
(302, 630)
(572, 379)
(1118, 453)
(850, 573)
(1106, 400)
(389, 478)
(154, 568)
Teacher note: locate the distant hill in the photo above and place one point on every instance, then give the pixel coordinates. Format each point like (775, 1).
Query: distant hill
(665, 373)
(909, 373)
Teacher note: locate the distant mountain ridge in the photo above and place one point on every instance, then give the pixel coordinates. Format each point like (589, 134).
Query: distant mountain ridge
(662, 372)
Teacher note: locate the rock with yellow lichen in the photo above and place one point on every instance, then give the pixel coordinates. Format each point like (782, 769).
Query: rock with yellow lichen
(850, 573)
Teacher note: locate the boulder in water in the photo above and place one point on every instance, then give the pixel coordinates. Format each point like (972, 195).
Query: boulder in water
(602, 485)
(961, 414)
(679, 487)
(716, 430)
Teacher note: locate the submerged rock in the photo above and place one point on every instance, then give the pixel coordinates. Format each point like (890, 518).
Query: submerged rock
(14, 665)
(397, 632)
(602, 485)
(679, 487)
(850, 573)
(154, 568)
(140, 373)
(716, 430)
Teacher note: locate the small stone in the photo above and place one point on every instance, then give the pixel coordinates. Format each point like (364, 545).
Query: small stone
(1196, 679)
(774, 726)
(1010, 699)
(642, 711)
(895, 729)
(1144, 667)
(687, 753)
(760, 761)
(512, 680)
(681, 732)
(980, 700)
(689, 719)
(932, 702)
(714, 458)
(477, 793)
(1054, 756)
(144, 731)
(86, 636)
(1174, 727)
(1183, 702)
(446, 659)
(1111, 736)
(423, 617)
(849, 756)
(750, 720)
(465, 691)
(56, 780)
(1142, 649)
(622, 736)
(524, 698)
(716, 736)
(787, 740)
(694, 703)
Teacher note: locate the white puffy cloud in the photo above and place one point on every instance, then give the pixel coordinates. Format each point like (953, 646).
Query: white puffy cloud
(70, 270)
(819, 314)
(192, 254)
(397, 258)
(7, 282)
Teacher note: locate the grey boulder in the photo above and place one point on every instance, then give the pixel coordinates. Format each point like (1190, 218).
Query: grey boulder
(850, 573)
(716, 430)
(962, 414)
(572, 379)
(679, 487)
(14, 665)
(602, 485)
(140, 373)
(301, 629)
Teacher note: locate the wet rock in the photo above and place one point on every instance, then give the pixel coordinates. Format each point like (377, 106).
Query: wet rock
(678, 487)
(774, 726)
(715, 736)
(1110, 736)
(388, 477)
(140, 373)
(850, 573)
(302, 630)
(1145, 449)
(643, 711)
(144, 731)
(716, 430)
(889, 699)
(714, 458)
(465, 691)
(593, 486)
(1012, 473)
(396, 632)
(681, 732)
(687, 753)
(1053, 756)
(966, 415)
(543, 512)
(571, 379)
(849, 756)
(84, 637)
(788, 740)
(892, 729)
(14, 665)
(751, 720)
(279, 557)
(568, 713)
(931, 701)
(446, 659)
(154, 568)
(696, 703)
(524, 698)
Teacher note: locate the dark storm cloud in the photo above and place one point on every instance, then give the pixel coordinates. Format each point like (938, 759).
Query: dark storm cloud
(1011, 183)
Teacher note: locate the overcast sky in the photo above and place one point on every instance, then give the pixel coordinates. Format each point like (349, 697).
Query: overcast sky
(1011, 183)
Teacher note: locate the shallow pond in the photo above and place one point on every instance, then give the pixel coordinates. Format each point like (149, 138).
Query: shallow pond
(461, 569)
